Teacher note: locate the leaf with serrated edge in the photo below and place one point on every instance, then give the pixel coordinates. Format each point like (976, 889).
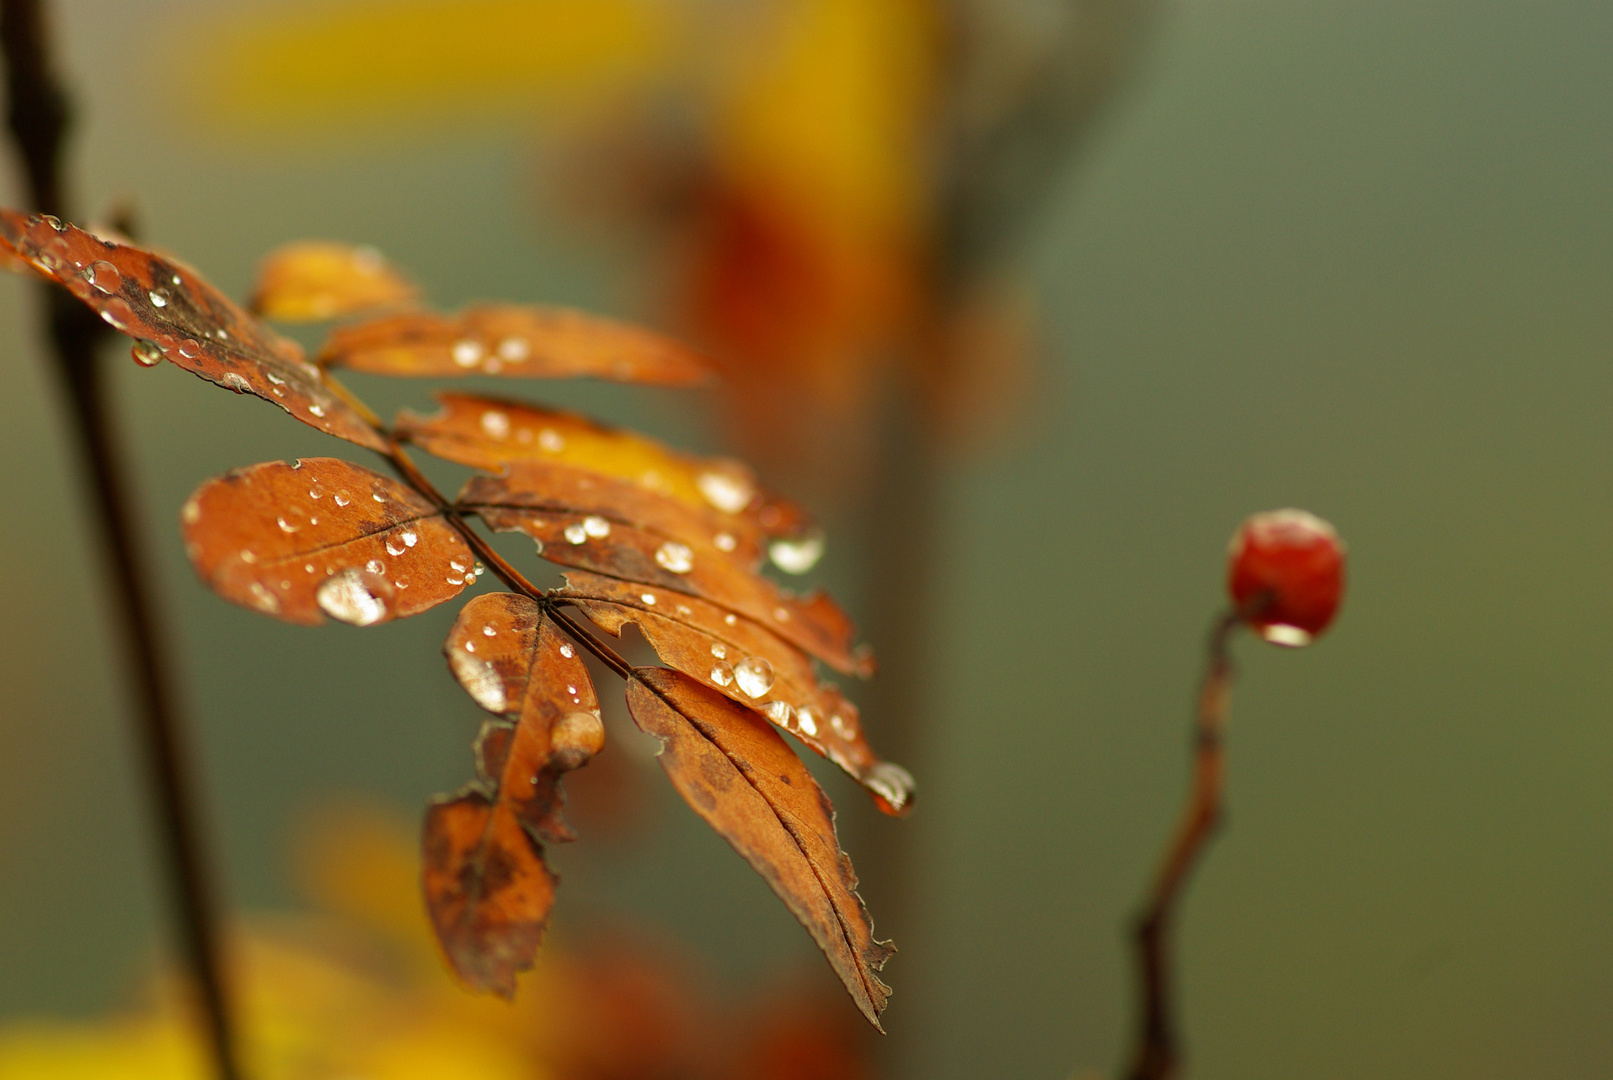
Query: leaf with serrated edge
(738, 774)
(516, 341)
(815, 624)
(694, 637)
(315, 280)
(323, 535)
(542, 449)
(487, 886)
(152, 298)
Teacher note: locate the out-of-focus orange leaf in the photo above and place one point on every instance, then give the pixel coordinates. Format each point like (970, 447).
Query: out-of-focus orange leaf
(694, 637)
(172, 312)
(323, 535)
(738, 774)
(315, 280)
(728, 508)
(513, 340)
(486, 884)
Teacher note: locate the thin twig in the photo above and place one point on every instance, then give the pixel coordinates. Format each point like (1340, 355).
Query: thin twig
(38, 119)
(1158, 1054)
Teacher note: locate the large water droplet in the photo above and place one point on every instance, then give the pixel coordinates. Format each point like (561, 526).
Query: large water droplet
(596, 526)
(190, 348)
(722, 674)
(358, 597)
(754, 676)
(727, 489)
(575, 533)
(480, 680)
(496, 424)
(779, 712)
(675, 557)
(410, 538)
(146, 353)
(467, 354)
(159, 297)
(807, 721)
(893, 784)
(237, 383)
(342, 499)
(395, 545)
(799, 555)
(104, 276)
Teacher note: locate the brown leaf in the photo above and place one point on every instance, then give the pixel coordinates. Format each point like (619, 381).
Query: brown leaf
(487, 887)
(513, 340)
(695, 638)
(314, 280)
(172, 312)
(323, 535)
(738, 774)
(719, 498)
(573, 536)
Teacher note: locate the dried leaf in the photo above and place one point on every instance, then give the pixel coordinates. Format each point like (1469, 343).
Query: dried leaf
(694, 637)
(172, 312)
(574, 536)
(738, 774)
(486, 884)
(314, 280)
(723, 502)
(323, 535)
(513, 340)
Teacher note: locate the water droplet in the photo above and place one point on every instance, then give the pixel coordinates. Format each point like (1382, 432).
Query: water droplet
(378, 497)
(575, 737)
(551, 440)
(453, 579)
(496, 424)
(455, 565)
(286, 526)
(730, 620)
(719, 650)
(263, 599)
(395, 546)
(596, 526)
(222, 333)
(313, 520)
(341, 498)
(684, 609)
(480, 680)
(410, 539)
(190, 348)
(754, 676)
(316, 492)
(648, 598)
(248, 555)
(175, 279)
(375, 566)
(840, 725)
(402, 583)
(191, 512)
(514, 349)
(355, 596)
(489, 631)
(728, 490)
(722, 674)
(1291, 636)
(236, 383)
(725, 541)
(891, 783)
(675, 557)
(308, 568)
(470, 646)
(807, 721)
(779, 712)
(467, 354)
(159, 297)
(146, 353)
(567, 651)
(799, 555)
(104, 276)
(117, 313)
(781, 614)
(575, 533)
(317, 410)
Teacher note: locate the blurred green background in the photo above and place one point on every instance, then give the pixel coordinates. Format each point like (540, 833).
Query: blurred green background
(1355, 257)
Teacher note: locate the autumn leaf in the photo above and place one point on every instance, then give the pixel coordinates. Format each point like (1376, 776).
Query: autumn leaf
(486, 884)
(512, 340)
(172, 312)
(323, 536)
(738, 774)
(314, 280)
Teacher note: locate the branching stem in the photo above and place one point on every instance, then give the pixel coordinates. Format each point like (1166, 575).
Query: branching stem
(1158, 1054)
(38, 120)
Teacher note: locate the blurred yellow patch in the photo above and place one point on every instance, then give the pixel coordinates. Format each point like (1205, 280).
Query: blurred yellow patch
(314, 280)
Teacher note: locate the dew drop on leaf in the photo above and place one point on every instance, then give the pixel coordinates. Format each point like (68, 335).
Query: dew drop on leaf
(797, 556)
(754, 676)
(727, 491)
(238, 384)
(146, 353)
(263, 598)
(725, 541)
(551, 440)
(117, 313)
(355, 596)
(779, 712)
(159, 297)
(720, 651)
(567, 651)
(675, 557)
(514, 349)
(575, 533)
(807, 720)
(722, 674)
(892, 783)
(480, 681)
(596, 526)
(496, 424)
(467, 354)
(104, 276)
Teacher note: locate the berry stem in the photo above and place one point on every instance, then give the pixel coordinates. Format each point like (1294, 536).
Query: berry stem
(1157, 1056)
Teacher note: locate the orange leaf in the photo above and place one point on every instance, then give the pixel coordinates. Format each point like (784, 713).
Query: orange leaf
(738, 774)
(323, 535)
(738, 658)
(172, 312)
(314, 280)
(486, 884)
(513, 340)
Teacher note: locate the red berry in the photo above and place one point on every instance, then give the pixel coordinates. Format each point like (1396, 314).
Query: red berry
(1286, 575)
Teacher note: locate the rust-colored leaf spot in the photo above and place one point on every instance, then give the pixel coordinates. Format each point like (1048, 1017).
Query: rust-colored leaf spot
(172, 312)
(630, 476)
(513, 340)
(487, 887)
(315, 280)
(738, 774)
(753, 666)
(323, 537)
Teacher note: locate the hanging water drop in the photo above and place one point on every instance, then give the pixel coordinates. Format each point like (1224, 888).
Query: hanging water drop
(779, 712)
(893, 784)
(146, 353)
(675, 557)
(754, 676)
(799, 555)
(807, 720)
(236, 383)
(728, 490)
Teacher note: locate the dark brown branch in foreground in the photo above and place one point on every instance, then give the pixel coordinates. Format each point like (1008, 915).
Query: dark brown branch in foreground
(38, 120)
(1158, 1052)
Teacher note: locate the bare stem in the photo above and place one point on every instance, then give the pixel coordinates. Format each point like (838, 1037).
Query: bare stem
(38, 120)
(1158, 1053)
